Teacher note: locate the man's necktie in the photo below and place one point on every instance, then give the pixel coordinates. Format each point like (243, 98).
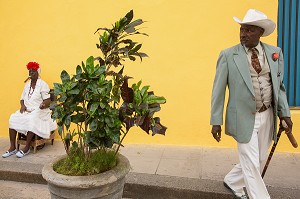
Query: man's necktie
(255, 61)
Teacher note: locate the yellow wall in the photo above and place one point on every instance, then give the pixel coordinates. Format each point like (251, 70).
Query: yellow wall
(184, 43)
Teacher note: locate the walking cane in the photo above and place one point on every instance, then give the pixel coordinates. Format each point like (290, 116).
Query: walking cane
(291, 138)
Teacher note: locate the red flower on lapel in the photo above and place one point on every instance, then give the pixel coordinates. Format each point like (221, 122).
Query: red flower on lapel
(275, 56)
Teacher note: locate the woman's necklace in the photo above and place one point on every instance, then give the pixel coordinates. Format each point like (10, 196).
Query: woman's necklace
(31, 91)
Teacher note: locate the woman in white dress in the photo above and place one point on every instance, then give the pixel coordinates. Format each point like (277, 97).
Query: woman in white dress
(34, 116)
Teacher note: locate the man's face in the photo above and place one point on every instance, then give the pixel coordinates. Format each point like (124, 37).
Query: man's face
(250, 35)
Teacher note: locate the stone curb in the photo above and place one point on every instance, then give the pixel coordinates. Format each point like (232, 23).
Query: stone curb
(147, 186)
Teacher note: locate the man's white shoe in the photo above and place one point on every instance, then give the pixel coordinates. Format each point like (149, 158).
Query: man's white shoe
(7, 153)
(235, 195)
(244, 197)
(21, 153)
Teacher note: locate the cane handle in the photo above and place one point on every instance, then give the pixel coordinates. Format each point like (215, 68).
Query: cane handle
(290, 135)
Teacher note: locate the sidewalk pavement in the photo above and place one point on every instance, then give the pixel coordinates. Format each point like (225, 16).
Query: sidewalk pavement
(158, 171)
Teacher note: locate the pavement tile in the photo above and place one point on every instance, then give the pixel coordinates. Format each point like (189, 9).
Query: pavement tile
(282, 171)
(217, 162)
(181, 153)
(42, 156)
(140, 164)
(19, 190)
(297, 157)
(190, 168)
(149, 151)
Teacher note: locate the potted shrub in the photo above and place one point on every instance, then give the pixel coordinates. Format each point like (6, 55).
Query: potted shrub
(95, 110)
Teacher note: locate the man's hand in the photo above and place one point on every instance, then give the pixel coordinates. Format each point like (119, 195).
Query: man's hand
(289, 124)
(23, 109)
(216, 132)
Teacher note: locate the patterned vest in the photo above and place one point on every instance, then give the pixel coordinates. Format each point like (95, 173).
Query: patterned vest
(262, 84)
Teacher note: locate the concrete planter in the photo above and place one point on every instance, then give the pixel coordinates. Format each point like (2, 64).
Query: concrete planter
(107, 185)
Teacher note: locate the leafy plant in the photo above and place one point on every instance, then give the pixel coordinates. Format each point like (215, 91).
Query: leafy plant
(98, 100)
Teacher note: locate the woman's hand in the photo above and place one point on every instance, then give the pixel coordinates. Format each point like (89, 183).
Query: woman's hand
(23, 109)
(43, 105)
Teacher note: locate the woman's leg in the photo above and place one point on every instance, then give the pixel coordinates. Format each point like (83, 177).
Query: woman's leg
(28, 141)
(12, 139)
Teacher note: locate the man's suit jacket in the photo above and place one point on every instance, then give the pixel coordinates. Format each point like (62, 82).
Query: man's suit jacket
(233, 71)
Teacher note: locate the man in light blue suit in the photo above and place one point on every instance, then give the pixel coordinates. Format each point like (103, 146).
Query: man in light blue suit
(253, 73)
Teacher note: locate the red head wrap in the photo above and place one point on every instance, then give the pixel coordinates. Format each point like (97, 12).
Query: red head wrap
(33, 65)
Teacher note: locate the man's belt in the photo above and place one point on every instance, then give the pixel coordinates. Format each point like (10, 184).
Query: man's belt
(263, 108)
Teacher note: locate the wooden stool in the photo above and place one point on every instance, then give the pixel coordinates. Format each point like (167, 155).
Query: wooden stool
(36, 140)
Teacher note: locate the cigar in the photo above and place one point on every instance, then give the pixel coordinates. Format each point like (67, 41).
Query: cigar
(27, 79)
(290, 135)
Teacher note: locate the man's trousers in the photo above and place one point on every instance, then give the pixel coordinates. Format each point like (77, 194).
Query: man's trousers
(252, 156)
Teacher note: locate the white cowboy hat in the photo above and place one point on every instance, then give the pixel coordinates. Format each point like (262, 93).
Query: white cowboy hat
(257, 18)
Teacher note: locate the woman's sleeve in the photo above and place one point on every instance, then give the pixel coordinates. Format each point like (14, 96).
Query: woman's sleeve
(45, 90)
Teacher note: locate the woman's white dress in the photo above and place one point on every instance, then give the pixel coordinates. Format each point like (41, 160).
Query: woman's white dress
(35, 120)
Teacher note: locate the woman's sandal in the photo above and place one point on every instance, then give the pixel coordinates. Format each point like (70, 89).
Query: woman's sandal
(7, 153)
(21, 153)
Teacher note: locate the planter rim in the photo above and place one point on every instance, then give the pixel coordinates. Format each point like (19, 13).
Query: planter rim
(110, 176)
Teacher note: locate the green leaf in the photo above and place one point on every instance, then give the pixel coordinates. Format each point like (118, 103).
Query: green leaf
(131, 27)
(90, 61)
(60, 130)
(67, 121)
(104, 37)
(152, 99)
(142, 54)
(93, 108)
(75, 144)
(132, 58)
(78, 118)
(124, 51)
(99, 70)
(144, 91)
(129, 16)
(63, 97)
(115, 137)
(90, 65)
(93, 125)
(103, 105)
(83, 67)
(68, 137)
(58, 113)
(136, 86)
(137, 47)
(64, 76)
(57, 89)
(136, 22)
(74, 92)
(117, 24)
(137, 97)
(78, 70)
(72, 85)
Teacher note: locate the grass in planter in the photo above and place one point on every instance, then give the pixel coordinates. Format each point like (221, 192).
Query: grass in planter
(76, 165)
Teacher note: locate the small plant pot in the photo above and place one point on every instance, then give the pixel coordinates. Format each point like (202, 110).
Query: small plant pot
(106, 185)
